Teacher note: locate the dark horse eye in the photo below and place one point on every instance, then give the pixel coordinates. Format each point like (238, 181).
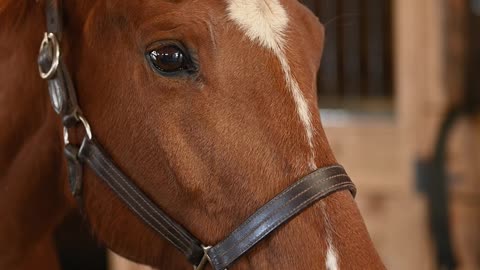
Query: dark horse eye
(169, 59)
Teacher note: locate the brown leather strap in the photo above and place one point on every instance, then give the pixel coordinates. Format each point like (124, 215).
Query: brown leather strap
(96, 158)
(283, 207)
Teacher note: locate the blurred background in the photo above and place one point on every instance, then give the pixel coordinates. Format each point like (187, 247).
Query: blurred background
(399, 91)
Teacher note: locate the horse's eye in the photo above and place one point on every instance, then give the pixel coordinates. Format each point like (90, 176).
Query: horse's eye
(169, 59)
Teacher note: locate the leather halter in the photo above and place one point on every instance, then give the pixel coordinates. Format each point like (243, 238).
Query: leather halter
(265, 220)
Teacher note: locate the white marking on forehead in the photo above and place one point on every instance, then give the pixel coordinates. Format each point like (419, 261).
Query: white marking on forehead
(265, 22)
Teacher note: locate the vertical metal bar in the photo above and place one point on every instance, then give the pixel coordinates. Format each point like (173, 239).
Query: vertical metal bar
(328, 76)
(357, 58)
(388, 48)
(376, 28)
(351, 47)
(472, 91)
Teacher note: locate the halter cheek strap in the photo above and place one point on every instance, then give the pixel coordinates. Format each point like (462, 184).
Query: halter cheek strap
(293, 200)
(92, 154)
(275, 213)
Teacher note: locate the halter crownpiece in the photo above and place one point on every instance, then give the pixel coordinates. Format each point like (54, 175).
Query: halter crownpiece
(293, 200)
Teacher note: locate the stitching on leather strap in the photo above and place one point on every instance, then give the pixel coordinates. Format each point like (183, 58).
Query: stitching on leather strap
(280, 207)
(129, 185)
(312, 198)
(182, 241)
(101, 164)
(278, 197)
(266, 231)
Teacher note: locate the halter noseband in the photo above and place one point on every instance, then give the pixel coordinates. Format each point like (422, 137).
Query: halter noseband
(293, 200)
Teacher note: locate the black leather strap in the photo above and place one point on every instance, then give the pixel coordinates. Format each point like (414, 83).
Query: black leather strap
(279, 210)
(53, 12)
(60, 86)
(74, 170)
(283, 207)
(96, 158)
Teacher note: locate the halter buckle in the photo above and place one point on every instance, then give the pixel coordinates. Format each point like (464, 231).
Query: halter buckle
(205, 259)
(49, 42)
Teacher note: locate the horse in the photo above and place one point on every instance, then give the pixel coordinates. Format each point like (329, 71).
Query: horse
(209, 106)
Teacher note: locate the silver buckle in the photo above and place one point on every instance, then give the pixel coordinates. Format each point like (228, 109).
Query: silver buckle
(51, 41)
(205, 259)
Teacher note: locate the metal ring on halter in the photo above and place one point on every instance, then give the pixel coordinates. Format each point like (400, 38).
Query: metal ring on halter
(205, 259)
(50, 40)
(86, 126)
(66, 141)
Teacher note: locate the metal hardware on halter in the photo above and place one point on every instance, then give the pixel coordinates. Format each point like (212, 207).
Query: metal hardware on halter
(50, 42)
(86, 126)
(74, 165)
(53, 70)
(205, 259)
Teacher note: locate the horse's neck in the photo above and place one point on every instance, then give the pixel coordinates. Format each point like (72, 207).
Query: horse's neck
(31, 156)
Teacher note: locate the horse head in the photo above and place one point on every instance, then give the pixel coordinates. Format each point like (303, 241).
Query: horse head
(211, 108)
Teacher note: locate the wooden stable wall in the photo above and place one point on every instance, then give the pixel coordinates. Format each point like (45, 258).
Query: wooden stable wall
(380, 151)
(357, 55)
(464, 149)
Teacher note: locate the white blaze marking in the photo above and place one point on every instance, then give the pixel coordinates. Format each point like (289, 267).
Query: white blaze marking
(265, 22)
(331, 261)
